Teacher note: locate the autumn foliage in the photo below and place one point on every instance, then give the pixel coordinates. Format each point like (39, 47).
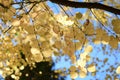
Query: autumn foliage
(31, 33)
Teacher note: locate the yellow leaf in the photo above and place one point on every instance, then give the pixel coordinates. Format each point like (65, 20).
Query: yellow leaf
(72, 68)
(16, 23)
(83, 72)
(45, 44)
(91, 68)
(87, 58)
(29, 29)
(73, 75)
(100, 33)
(6, 3)
(35, 51)
(63, 20)
(88, 49)
(78, 45)
(96, 41)
(78, 15)
(13, 76)
(79, 35)
(1, 65)
(58, 44)
(72, 57)
(101, 15)
(105, 39)
(47, 53)
(113, 42)
(118, 70)
(89, 29)
(116, 25)
(22, 67)
(1, 72)
(38, 57)
(56, 29)
(33, 43)
(34, 15)
(81, 63)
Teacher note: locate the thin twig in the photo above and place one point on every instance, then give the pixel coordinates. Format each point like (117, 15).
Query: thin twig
(31, 8)
(104, 25)
(29, 2)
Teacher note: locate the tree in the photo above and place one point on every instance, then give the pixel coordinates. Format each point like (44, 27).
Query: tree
(31, 33)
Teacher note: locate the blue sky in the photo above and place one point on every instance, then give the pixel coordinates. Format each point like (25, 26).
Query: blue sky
(113, 56)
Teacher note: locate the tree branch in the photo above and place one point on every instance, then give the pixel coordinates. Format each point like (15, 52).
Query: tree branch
(29, 2)
(87, 5)
(3, 6)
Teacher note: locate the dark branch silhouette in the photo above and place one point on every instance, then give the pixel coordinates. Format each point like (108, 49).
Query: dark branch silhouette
(3, 6)
(74, 4)
(89, 5)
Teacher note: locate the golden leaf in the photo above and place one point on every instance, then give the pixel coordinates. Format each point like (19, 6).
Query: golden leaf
(88, 28)
(116, 25)
(78, 15)
(78, 45)
(21, 67)
(35, 50)
(72, 57)
(101, 15)
(29, 29)
(73, 75)
(66, 50)
(72, 68)
(13, 76)
(6, 3)
(57, 45)
(105, 39)
(69, 33)
(63, 20)
(56, 29)
(47, 53)
(16, 22)
(1, 72)
(34, 43)
(118, 70)
(113, 42)
(79, 35)
(81, 62)
(83, 72)
(88, 57)
(38, 57)
(33, 15)
(91, 68)
(96, 41)
(45, 44)
(42, 31)
(88, 49)
(1, 65)
(100, 33)
(82, 56)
